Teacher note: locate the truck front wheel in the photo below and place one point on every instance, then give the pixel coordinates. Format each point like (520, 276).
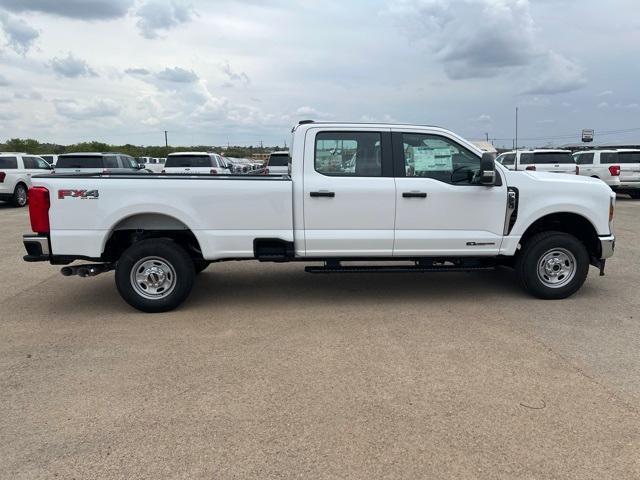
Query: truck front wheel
(155, 275)
(552, 265)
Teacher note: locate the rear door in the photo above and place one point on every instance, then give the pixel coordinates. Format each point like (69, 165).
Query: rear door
(441, 207)
(629, 166)
(349, 193)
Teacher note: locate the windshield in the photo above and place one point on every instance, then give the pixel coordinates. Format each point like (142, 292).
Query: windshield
(546, 158)
(629, 157)
(188, 161)
(79, 161)
(279, 160)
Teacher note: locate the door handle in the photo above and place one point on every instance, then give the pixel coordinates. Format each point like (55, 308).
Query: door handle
(322, 194)
(414, 195)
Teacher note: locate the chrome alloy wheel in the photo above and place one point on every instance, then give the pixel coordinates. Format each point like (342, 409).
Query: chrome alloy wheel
(21, 195)
(556, 268)
(153, 278)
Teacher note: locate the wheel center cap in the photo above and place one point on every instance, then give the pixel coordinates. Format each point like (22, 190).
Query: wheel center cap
(155, 276)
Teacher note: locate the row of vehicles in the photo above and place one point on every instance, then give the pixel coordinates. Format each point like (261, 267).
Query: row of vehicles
(358, 198)
(619, 168)
(16, 169)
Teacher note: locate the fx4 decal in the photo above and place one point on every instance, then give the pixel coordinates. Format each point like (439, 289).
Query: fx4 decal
(82, 194)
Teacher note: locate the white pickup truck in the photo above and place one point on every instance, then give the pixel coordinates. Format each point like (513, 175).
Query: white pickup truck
(361, 198)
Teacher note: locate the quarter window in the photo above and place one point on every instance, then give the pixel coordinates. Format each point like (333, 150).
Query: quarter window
(608, 157)
(436, 157)
(8, 163)
(349, 154)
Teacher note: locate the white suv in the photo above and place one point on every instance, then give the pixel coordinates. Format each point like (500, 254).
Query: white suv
(620, 169)
(199, 163)
(15, 176)
(541, 160)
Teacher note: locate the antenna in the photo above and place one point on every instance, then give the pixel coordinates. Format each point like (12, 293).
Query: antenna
(516, 130)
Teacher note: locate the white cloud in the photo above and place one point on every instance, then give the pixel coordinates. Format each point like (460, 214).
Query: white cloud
(553, 73)
(603, 105)
(72, 67)
(177, 75)
(75, 110)
(20, 36)
(80, 9)
(158, 16)
(605, 93)
(486, 38)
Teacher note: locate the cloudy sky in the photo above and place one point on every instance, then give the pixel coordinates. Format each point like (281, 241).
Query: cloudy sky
(243, 71)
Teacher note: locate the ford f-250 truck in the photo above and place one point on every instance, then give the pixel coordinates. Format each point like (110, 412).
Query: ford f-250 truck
(417, 198)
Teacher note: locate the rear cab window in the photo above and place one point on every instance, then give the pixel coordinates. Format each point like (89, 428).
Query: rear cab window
(279, 160)
(188, 161)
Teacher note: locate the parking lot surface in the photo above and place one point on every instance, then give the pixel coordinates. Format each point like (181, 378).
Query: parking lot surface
(268, 372)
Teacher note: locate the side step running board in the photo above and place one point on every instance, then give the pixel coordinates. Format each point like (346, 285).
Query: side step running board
(396, 269)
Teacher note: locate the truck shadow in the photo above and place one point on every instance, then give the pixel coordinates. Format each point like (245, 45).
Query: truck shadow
(292, 285)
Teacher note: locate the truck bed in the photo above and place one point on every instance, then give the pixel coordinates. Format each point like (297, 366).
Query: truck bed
(225, 213)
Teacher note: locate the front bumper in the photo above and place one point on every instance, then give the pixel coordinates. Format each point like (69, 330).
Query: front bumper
(37, 247)
(607, 247)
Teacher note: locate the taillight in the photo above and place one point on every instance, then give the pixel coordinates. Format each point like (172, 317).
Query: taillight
(2, 177)
(614, 170)
(577, 170)
(213, 171)
(39, 204)
(612, 209)
(531, 168)
(164, 171)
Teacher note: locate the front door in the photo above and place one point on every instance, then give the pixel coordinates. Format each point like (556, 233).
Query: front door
(441, 207)
(349, 193)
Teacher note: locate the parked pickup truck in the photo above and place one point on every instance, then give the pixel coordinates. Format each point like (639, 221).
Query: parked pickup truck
(385, 198)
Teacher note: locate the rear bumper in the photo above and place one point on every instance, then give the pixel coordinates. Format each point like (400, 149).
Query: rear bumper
(37, 247)
(622, 186)
(607, 246)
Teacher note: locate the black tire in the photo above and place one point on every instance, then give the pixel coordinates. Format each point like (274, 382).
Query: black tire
(545, 252)
(19, 198)
(200, 265)
(159, 260)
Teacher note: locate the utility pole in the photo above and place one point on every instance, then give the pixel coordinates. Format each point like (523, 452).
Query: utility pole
(516, 129)
(166, 139)
(487, 135)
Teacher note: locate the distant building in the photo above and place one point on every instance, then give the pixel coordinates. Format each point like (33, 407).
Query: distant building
(485, 146)
(260, 156)
(603, 145)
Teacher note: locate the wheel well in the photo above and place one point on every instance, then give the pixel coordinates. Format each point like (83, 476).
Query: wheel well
(20, 183)
(570, 223)
(145, 226)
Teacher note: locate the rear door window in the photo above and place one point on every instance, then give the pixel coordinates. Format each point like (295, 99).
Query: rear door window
(111, 161)
(349, 154)
(8, 163)
(188, 161)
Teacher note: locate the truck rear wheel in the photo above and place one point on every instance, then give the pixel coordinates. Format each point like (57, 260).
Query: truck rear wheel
(155, 275)
(553, 265)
